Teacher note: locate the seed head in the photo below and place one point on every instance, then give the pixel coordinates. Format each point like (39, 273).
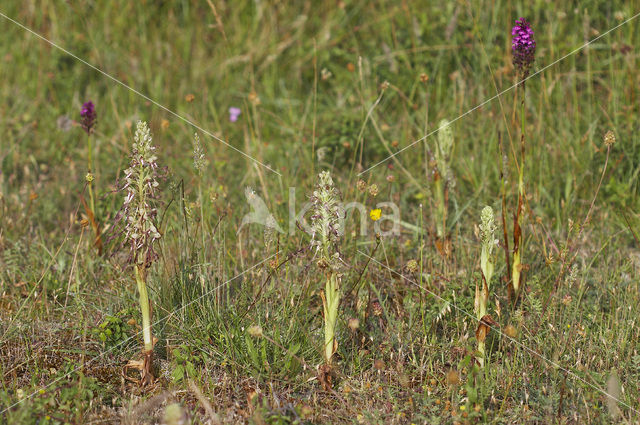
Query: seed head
(353, 323)
(573, 275)
(444, 146)
(505, 168)
(255, 331)
(199, 160)
(609, 139)
(412, 266)
(510, 331)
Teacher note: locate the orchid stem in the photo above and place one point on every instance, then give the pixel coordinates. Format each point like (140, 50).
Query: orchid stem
(146, 309)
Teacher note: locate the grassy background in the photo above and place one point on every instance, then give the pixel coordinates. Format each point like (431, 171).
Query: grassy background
(309, 77)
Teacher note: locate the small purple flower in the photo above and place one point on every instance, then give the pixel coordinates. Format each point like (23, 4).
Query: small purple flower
(88, 115)
(523, 46)
(234, 113)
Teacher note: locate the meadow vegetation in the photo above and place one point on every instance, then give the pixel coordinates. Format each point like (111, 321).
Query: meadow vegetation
(315, 212)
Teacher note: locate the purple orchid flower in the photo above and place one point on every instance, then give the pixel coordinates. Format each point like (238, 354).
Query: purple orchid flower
(523, 46)
(89, 116)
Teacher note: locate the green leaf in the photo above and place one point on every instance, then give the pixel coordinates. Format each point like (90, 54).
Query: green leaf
(191, 370)
(472, 393)
(178, 373)
(253, 353)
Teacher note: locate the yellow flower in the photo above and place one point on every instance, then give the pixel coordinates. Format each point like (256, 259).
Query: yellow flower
(375, 214)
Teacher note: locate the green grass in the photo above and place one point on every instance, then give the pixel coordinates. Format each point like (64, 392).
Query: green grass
(318, 71)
